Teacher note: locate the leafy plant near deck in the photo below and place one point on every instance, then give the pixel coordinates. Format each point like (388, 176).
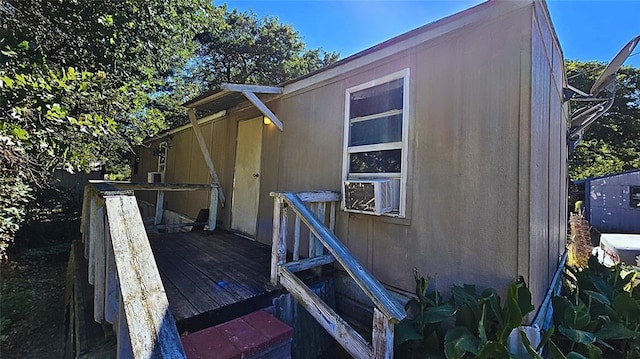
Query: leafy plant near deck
(467, 325)
(599, 316)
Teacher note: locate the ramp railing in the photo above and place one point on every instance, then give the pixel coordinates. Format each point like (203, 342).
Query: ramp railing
(128, 291)
(325, 248)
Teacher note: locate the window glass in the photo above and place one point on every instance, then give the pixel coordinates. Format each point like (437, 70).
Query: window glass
(375, 162)
(377, 99)
(378, 130)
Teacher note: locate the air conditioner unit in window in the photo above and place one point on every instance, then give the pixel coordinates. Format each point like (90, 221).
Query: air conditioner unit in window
(155, 177)
(370, 196)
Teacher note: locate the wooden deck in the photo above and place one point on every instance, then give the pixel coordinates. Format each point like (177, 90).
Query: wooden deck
(211, 277)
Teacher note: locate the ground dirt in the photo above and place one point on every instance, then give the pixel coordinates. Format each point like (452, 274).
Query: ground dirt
(32, 289)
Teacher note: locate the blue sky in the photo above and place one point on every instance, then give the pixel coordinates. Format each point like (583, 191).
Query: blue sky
(587, 30)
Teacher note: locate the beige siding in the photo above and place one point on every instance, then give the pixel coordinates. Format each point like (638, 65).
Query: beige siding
(486, 191)
(548, 156)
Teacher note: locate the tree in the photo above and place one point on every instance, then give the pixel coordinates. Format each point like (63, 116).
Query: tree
(612, 143)
(76, 82)
(84, 81)
(248, 49)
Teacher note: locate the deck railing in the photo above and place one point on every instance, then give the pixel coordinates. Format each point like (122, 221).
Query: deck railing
(387, 311)
(161, 188)
(128, 291)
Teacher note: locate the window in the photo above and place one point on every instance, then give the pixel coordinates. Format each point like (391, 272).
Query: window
(634, 196)
(376, 133)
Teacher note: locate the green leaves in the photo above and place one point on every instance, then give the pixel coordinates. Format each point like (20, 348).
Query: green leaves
(242, 48)
(458, 341)
(612, 144)
(482, 323)
(599, 316)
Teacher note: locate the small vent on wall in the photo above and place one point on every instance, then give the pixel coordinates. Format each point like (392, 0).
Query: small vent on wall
(155, 177)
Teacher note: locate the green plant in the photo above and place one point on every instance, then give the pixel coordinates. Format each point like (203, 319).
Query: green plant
(599, 315)
(467, 325)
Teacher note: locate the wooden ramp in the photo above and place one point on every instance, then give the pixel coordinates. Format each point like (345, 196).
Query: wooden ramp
(211, 277)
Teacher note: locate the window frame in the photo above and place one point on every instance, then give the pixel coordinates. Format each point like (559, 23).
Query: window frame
(402, 145)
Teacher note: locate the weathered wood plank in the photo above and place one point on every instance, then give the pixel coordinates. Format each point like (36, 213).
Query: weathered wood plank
(151, 326)
(319, 196)
(205, 152)
(263, 108)
(194, 293)
(159, 208)
(178, 225)
(382, 341)
(320, 211)
(325, 316)
(84, 224)
(308, 263)
(179, 269)
(78, 308)
(371, 286)
(100, 268)
(252, 88)
(123, 336)
(112, 288)
(167, 187)
(213, 209)
(86, 216)
(181, 308)
(245, 282)
(94, 229)
(296, 239)
(332, 217)
(106, 188)
(276, 238)
(312, 238)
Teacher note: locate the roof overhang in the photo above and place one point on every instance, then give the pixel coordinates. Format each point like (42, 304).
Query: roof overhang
(230, 95)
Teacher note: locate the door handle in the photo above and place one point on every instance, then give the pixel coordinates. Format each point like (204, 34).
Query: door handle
(256, 175)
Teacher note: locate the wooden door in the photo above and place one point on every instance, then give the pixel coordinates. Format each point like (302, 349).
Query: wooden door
(246, 178)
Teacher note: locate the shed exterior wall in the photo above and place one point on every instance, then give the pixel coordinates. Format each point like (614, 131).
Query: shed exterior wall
(487, 157)
(608, 206)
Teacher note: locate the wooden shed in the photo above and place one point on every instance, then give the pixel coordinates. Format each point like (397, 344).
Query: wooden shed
(612, 203)
(447, 146)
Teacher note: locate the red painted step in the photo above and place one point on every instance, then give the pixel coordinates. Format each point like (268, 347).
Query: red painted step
(255, 335)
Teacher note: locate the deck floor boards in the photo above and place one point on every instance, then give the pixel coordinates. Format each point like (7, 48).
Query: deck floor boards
(205, 272)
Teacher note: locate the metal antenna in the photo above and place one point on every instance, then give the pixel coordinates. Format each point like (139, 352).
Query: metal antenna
(603, 93)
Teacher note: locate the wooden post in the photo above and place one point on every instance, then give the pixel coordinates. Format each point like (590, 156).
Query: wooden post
(332, 217)
(382, 338)
(100, 266)
(111, 279)
(94, 228)
(312, 238)
(205, 152)
(150, 324)
(275, 240)
(296, 239)
(159, 208)
(320, 211)
(84, 221)
(213, 209)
